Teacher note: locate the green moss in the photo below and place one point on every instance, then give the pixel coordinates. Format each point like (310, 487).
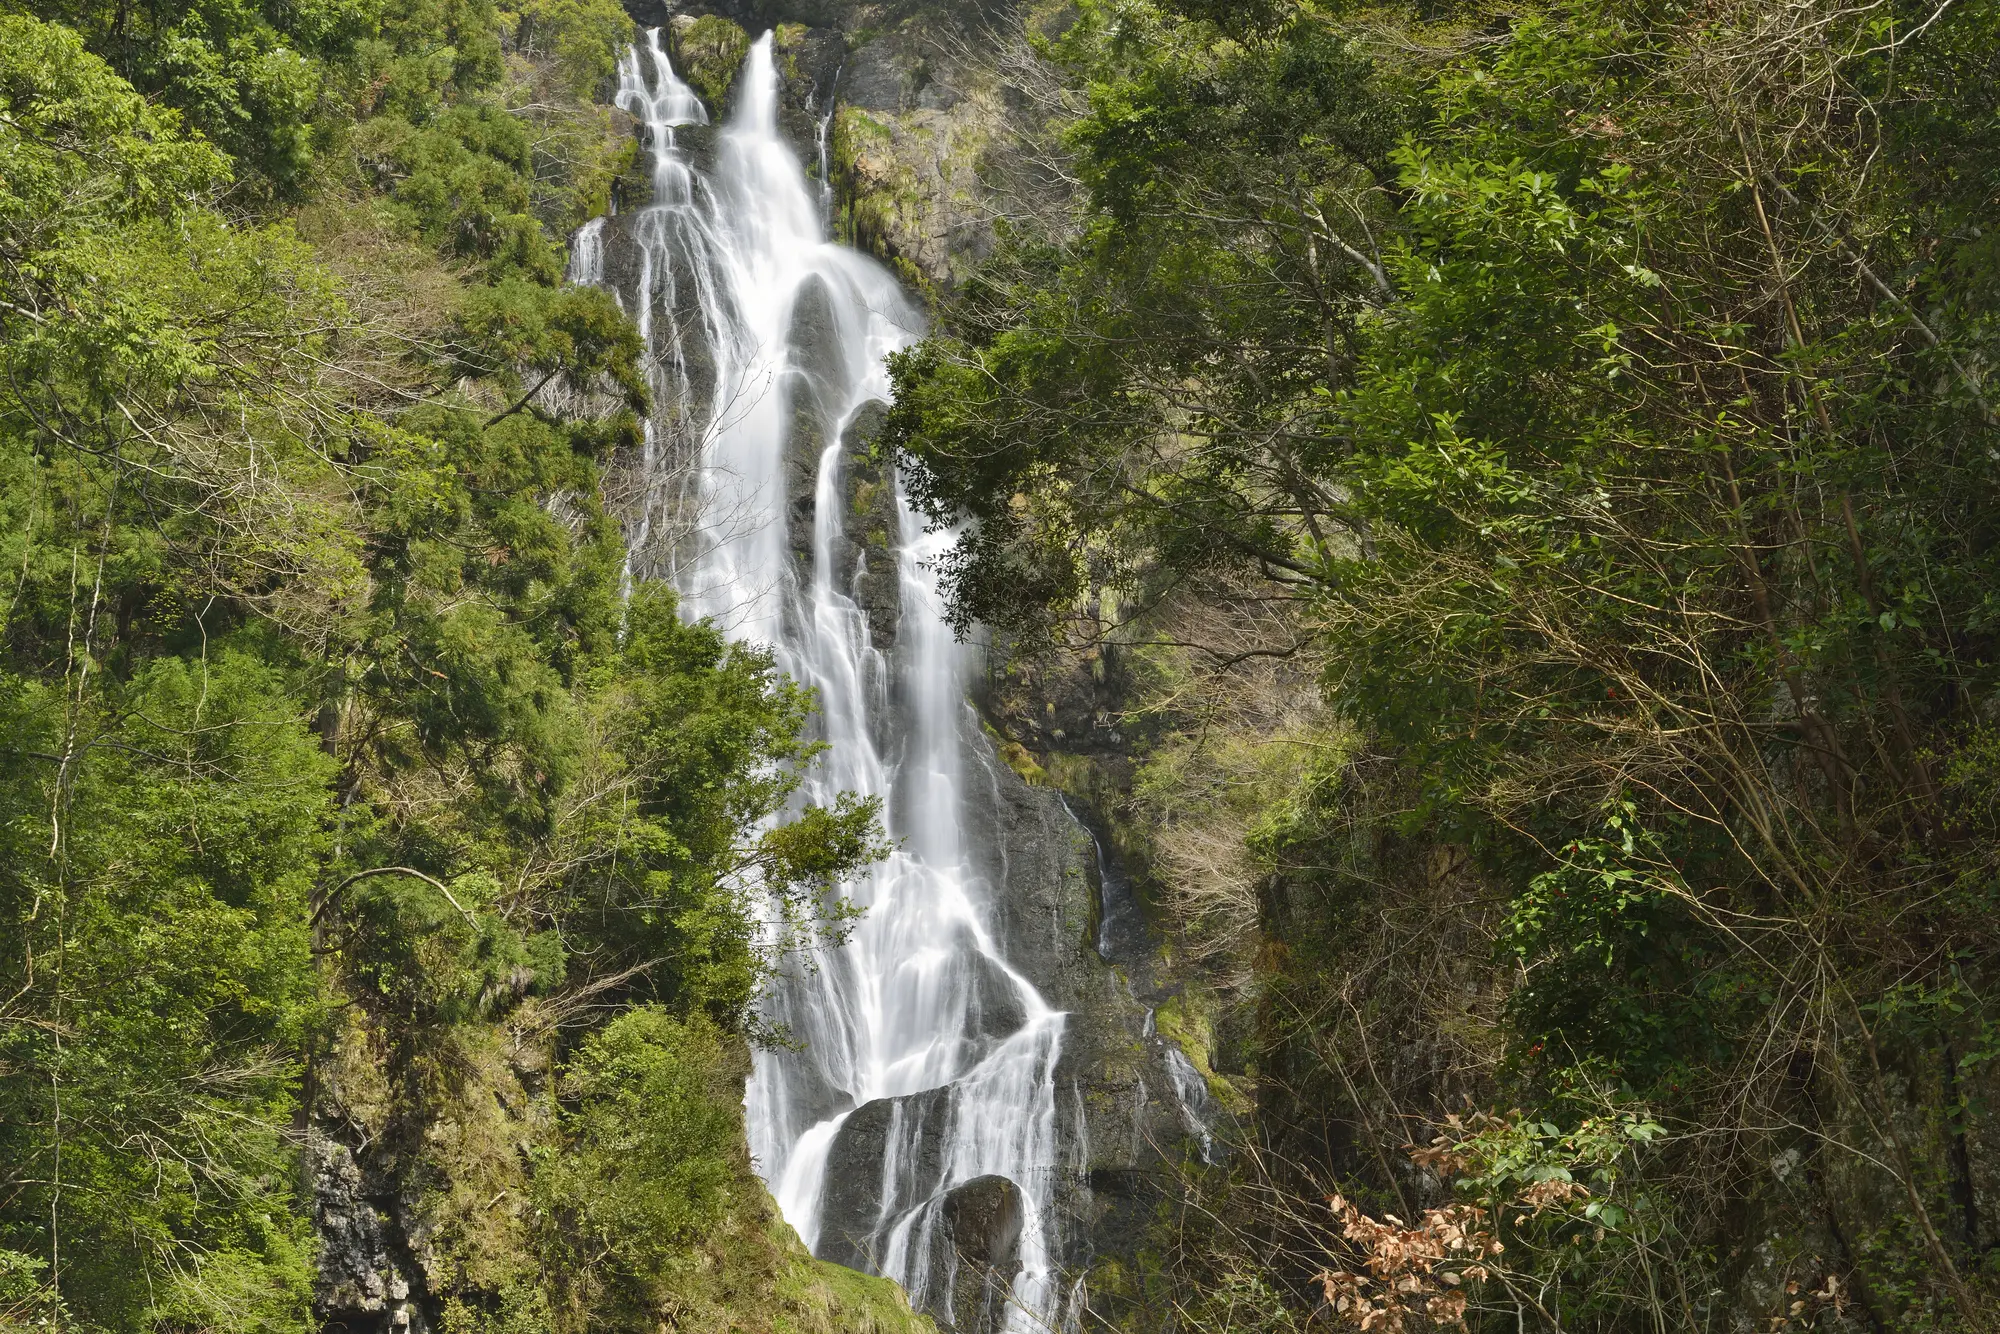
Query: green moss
(816, 1297)
(789, 40)
(866, 493)
(882, 193)
(1188, 1020)
(1020, 759)
(1074, 774)
(708, 51)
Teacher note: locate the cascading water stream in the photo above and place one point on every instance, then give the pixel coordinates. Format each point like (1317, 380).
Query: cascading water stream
(918, 1023)
(822, 156)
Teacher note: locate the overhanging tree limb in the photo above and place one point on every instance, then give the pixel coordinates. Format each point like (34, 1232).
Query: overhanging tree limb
(430, 880)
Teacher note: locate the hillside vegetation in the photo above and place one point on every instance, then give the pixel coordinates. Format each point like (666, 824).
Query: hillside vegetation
(374, 923)
(1517, 488)
(1493, 508)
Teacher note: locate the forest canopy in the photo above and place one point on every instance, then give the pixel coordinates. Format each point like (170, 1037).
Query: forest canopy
(343, 779)
(1588, 401)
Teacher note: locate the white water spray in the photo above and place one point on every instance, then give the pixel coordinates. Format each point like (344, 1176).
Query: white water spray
(918, 1022)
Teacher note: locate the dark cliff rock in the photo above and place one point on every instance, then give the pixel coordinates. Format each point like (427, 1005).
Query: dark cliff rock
(873, 530)
(867, 525)
(977, 1252)
(982, 1217)
(369, 1280)
(909, 103)
(1124, 1132)
(850, 1208)
(814, 356)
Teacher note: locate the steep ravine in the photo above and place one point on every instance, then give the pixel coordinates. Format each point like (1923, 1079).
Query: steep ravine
(1124, 1108)
(913, 126)
(899, 116)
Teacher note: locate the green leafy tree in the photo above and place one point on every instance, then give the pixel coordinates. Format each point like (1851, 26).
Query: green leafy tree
(161, 844)
(344, 780)
(649, 1162)
(1614, 414)
(252, 79)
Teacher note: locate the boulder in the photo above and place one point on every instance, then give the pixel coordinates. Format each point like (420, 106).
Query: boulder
(975, 1255)
(852, 1206)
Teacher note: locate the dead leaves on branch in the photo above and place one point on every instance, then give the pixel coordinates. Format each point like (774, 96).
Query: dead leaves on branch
(1409, 1273)
(1422, 1275)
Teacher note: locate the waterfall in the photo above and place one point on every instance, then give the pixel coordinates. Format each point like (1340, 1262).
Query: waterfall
(920, 1089)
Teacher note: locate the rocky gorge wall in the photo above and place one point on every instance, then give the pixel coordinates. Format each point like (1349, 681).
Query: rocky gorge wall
(914, 111)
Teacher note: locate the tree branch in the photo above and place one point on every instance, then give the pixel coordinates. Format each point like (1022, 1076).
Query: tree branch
(430, 880)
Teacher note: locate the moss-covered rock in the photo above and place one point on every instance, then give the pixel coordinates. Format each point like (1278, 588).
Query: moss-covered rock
(708, 51)
(1189, 1021)
(908, 188)
(815, 1297)
(450, 1191)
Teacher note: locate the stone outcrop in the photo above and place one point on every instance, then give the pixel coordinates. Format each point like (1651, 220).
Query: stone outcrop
(873, 529)
(864, 545)
(849, 1211)
(369, 1282)
(812, 350)
(908, 105)
(978, 1252)
(1124, 1131)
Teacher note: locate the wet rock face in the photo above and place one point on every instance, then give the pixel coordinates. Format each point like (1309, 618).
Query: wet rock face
(811, 352)
(368, 1281)
(867, 524)
(1123, 1128)
(917, 136)
(703, 38)
(873, 530)
(983, 1219)
(978, 1250)
(907, 1139)
(1122, 935)
(850, 1210)
(996, 1009)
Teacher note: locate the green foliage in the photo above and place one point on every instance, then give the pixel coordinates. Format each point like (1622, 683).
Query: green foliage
(61, 101)
(439, 50)
(1209, 166)
(1612, 407)
(463, 182)
(1621, 984)
(708, 51)
(652, 1142)
(251, 79)
(164, 933)
(518, 328)
(698, 742)
(144, 332)
(582, 37)
(343, 781)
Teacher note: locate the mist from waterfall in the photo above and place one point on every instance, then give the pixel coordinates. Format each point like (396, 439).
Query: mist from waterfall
(918, 1020)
